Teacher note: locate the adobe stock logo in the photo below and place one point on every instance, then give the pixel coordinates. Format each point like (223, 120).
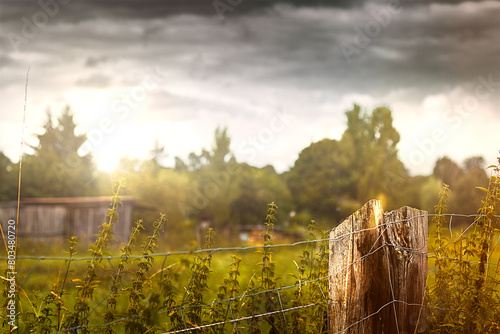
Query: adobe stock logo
(484, 89)
(252, 145)
(32, 26)
(123, 108)
(120, 110)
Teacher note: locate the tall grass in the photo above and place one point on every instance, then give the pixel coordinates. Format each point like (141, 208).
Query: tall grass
(137, 289)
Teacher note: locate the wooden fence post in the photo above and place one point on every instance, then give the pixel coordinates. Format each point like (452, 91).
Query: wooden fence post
(378, 270)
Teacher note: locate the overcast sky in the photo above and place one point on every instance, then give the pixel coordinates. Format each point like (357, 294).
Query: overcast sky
(278, 76)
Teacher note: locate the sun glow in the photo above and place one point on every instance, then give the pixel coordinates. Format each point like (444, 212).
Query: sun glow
(106, 163)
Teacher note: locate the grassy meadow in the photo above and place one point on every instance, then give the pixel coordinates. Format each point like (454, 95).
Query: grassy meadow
(141, 288)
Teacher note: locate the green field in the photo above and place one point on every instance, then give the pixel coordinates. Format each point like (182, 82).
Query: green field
(247, 289)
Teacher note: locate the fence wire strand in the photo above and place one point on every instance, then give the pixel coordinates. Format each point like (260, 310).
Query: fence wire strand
(256, 247)
(241, 319)
(257, 291)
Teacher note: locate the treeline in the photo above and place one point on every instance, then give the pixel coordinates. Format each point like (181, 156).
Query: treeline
(329, 180)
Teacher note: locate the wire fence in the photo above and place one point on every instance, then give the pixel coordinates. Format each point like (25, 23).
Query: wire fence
(299, 301)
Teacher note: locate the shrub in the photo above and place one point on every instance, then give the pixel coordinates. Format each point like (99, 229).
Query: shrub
(464, 296)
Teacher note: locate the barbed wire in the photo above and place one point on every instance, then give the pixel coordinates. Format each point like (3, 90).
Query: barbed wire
(256, 292)
(255, 247)
(241, 319)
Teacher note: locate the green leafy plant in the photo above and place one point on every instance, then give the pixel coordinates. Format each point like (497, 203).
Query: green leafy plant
(464, 296)
(312, 284)
(198, 286)
(273, 297)
(138, 294)
(111, 302)
(48, 316)
(86, 287)
(169, 293)
(143, 310)
(251, 303)
(318, 287)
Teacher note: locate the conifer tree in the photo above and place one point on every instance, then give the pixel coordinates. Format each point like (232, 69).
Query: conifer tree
(55, 169)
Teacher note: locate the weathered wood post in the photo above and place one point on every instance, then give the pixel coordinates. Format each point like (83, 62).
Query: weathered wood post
(378, 270)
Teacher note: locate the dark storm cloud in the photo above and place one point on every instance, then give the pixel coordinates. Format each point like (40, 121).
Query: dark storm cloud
(447, 43)
(252, 64)
(148, 9)
(451, 2)
(79, 10)
(427, 47)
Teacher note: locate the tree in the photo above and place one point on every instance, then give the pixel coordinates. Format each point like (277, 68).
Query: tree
(320, 178)
(217, 158)
(158, 153)
(8, 179)
(180, 165)
(332, 178)
(448, 171)
(474, 162)
(428, 192)
(215, 172)
(370, 141)
(465, 198)
(257, 187)
(56, 169)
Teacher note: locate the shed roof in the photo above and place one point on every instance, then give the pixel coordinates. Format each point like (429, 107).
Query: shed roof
(78, 201)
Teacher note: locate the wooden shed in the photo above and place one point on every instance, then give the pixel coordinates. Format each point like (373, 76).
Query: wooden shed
(63, 217)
